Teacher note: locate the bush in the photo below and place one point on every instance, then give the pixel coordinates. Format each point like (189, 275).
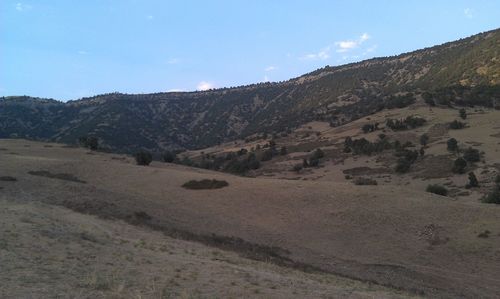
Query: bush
(267, 155)
(459, 165)
(297, 167)
(452, 145)
(473, 182)
(410, 122)
(462, 113)
(456, 125)
(313, 162)
(318, 154)
(169, 157)
(472, 155)
(367, 128)
(283, 151)
(143, 158)
(422, 151)
(437, 189)
(90, 142)
(205, 184)
(365, 181)
(403, 165)
(493, 196)
(424, 139)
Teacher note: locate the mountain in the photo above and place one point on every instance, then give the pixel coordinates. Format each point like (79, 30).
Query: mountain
(463, 72)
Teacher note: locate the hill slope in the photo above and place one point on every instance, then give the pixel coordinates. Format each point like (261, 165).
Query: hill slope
(389, 235)
(466, 71)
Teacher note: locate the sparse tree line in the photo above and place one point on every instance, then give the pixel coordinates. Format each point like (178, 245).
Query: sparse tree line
(239, 162)
(312, 161)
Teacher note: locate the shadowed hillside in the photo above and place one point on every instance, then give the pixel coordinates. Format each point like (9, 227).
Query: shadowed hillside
(463, 72)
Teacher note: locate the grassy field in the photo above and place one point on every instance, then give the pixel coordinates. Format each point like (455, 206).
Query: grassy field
(386, 235)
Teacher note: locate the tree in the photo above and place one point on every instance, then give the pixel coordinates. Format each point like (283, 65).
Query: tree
(90, 142)
(456, 125)
(403, 165)
(472, 155)
(424, 139)
(459, 165)
(473, 182)
(305, 164)
(437, 189)
(493, 196)
(452, 145)
(422, 151)
(462, 113)
(143, 158)
(297, 167)
(267, 155)
(283, 151)
(318, 154)
(169, 157)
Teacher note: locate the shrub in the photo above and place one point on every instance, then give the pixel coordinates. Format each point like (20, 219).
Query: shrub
(283, 151)
(472, 155)
(452, 145)
(456, 125)
(462, 113)
(497, 179)
(437, 189)
(422, 151)
(313, 162)
(367, 128)
(410, 122)
(297, 167)
(400, 101)
(459, 165)
(406, 159)
(169, 157)
(473, 182)
(143, 158)
(205, 184)
(403, 165)
(90, 142)
(267, 155)
(365, 181)
(493, 196)
(424, 139)
(430, 101)
(318, 154)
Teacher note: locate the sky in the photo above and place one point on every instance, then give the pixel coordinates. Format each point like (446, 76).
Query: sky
(71, 49)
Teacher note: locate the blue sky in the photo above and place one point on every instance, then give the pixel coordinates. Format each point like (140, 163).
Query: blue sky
(71, 49)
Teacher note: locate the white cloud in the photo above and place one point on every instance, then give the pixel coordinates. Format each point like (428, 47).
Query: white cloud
(266, 79)
(204, 85)
(270, 68)
(173, 61)
(82, 52)
(347, 45)
(339, 47)
(22, 7)
(321, 55)
(469, 13)
(150, 17)
(175, 90)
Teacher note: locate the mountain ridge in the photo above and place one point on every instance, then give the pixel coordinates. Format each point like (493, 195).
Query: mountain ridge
(186, 120)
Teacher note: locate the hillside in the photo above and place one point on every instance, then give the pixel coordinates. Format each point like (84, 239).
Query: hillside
(463, 72)
(394, 236)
